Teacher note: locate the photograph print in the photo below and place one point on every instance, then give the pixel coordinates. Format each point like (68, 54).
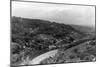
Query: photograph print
(52, 33)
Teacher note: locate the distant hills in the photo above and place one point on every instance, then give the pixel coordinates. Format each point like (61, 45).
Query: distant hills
(26, 26)
(84, 29)
(38, 26)
(25, 30)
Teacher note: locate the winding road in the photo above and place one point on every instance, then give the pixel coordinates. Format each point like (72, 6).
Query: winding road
(52, 53)
(40, 58)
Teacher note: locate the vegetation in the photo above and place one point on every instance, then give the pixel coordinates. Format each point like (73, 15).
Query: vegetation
(32, 37)
(80, 53)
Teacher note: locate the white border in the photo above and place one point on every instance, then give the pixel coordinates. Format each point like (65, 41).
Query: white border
(5, 33)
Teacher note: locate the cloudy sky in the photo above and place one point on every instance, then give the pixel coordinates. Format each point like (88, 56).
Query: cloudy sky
(68, 14)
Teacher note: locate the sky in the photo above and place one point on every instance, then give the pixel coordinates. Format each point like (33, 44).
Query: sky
(68, 14)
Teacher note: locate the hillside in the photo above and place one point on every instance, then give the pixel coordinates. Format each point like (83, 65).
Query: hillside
(84, 29)
(33, 37)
